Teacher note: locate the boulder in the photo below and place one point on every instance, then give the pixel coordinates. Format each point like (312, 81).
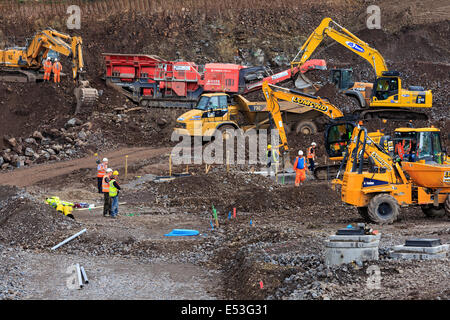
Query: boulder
(30, 141)
(29, 152)
(82, 135)
(38, 135)
(11, 141)
(1, 161)
(72, 123)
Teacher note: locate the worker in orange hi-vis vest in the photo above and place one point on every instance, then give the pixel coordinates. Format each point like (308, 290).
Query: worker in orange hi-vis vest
(311, 156)
(300, 169)
(57, 67)
(47, 69)
(101, 171)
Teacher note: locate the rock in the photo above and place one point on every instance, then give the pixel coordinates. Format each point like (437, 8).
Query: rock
(87, 125)
(82, 135)
(51, 151)
(2, 161)
(161, 122)
(57, 147)
(11, 141)
(4, 166)
(38, 135)
(72, 123)
(30, 141)
(6, 156)
(29, 152)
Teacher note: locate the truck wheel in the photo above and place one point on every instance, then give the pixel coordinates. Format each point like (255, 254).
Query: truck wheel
(447, 205)
(305, 127)
(363, 213)
(383, 208)
(223, 129)
(432, 212)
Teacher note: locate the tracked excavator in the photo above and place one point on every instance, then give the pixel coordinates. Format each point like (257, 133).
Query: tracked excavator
(410, 168)
(24, 64)
(337, 133)
(385, 98)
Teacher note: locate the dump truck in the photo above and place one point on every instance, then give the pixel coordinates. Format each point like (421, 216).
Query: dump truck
(149, 80)
(378, 181)
(220, 111)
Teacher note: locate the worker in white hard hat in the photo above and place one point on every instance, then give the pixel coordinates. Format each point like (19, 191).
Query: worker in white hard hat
(57, 67)
(105, 188)
(273, 158)
(101, 170)
(300, 169)
(312, 156)
(47, 69)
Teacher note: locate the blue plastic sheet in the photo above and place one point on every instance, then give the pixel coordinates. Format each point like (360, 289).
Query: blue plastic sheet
(182, 233)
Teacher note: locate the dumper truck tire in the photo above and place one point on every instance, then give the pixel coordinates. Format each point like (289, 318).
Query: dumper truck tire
(447, 205)
(363, 213)
(432, 212)
(383, 208)
(305, 127)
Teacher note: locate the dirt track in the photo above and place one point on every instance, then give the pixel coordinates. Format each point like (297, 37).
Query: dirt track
(29, 176)
(131, 258)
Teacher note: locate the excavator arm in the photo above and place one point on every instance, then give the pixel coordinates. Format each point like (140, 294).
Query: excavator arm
(50, 39)
(272, 93)
(343, 37)
(31, 59)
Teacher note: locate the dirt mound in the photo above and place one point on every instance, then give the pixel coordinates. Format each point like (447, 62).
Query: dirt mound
(245, 192)
(29, 223)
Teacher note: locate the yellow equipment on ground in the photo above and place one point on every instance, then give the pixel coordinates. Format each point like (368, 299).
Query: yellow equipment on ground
(218, 111)
(385, 96)
(379, 180)
(24, 64)
(63, 207)
(337, 135)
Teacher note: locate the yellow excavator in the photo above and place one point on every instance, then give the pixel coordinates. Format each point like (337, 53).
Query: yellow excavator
(412, 170)
(385, 98)
(337, 133)
(24, 64)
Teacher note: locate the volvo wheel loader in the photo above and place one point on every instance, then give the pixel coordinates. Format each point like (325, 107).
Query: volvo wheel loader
(24, 64)
(409, 168)
(384, 98)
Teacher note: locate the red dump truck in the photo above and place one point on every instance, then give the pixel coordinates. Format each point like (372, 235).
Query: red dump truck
(152, 81)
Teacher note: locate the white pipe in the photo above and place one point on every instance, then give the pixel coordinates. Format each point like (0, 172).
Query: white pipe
(83, 273)
(68, 239)
(80, 280)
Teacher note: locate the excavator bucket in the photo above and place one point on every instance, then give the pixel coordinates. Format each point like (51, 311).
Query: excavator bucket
(85, 96)
(304, 84)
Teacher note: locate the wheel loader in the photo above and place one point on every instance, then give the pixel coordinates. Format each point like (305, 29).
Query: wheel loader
(413, 170)
(24, 64)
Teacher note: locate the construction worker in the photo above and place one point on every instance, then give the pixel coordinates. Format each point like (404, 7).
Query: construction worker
(272, 158)
(57, 67)
(300, 169)
(311, 156)
(47, 69)
(114, 188)
(101, 170)
(105, 188)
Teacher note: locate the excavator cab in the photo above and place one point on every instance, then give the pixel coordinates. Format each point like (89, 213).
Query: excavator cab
(387, 87)
(342, 78)
(337, 137)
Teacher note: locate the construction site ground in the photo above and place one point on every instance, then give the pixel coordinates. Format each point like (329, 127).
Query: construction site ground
(130, 257)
